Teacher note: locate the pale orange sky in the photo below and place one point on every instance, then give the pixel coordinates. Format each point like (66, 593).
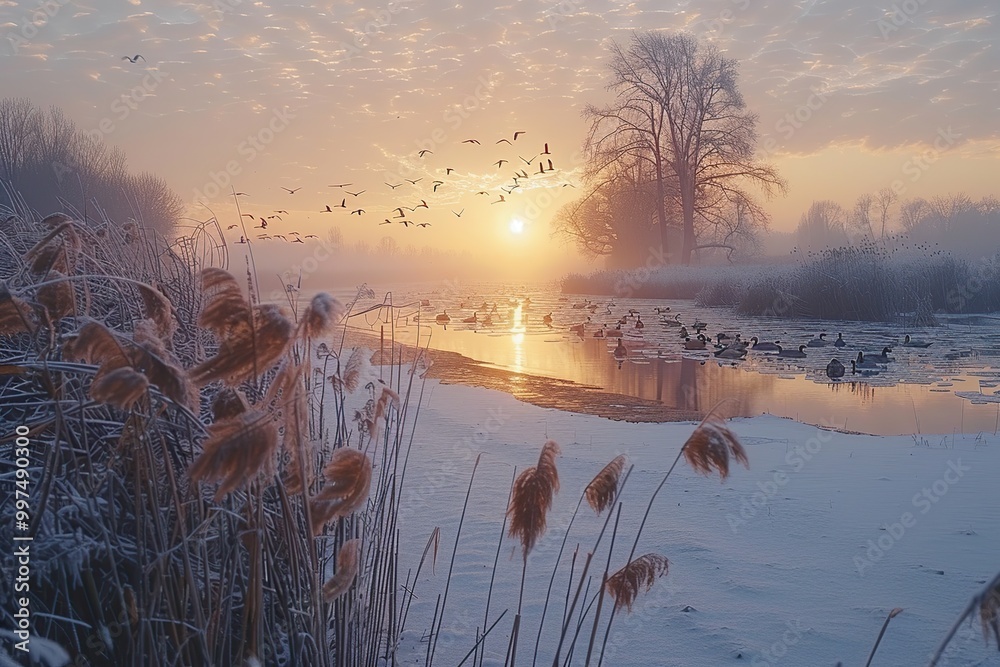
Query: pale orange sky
(340, 92)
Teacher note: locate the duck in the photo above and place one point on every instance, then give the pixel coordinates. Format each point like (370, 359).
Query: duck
(614, 333)
(579, 328)
(913, 342)
(698, 324)
(696, 344)
(731, 352)
(660, 311)
(471, 320)
(621, 351)
(883, 358)
(488, 321)
(600, 332)
(683, 332)
(864, 362)
(547, 319)
(793, 354)
(840, 342)
(581, 305)
(765, 346)
(443, 318)
(425, 302)
(676, 322)
(865, 372)
(819, 341)
(638, 322)
(835, 369)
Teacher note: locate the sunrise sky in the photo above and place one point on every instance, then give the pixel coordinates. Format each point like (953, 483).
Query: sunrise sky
(308, 95)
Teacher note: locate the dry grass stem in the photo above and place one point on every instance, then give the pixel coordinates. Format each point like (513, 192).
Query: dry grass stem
(636, 577)
(347, 570)
(989, 612)
(534, 490)
(601, 491)
(711, 446)
(236, 450)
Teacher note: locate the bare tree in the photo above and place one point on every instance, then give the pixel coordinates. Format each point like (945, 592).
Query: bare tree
(884, 201)
(824, 224)
(912, 212)
(861, 216)
(678, 106)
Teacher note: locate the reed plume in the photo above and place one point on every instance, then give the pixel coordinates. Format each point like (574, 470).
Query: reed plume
(350, 375)
(53, 220)
(158, 309)
(95, 344)
(245, 353)
(57, 299)
(711, 446)
(122, 387)
(348, 481)
(16, 315)
(228, 403)
(637, 577)
(56, 251)
(236, 449)
(532, 498)
(387, 399)
(323, 313)
(225, 311)
(347, 570)
(602, 489)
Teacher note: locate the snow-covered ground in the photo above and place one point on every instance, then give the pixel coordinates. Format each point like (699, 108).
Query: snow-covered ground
(795, 561)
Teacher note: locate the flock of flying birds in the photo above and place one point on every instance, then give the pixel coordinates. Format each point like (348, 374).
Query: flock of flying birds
(405, 213)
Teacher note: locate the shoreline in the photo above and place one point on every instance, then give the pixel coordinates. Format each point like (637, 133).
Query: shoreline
(538, 390)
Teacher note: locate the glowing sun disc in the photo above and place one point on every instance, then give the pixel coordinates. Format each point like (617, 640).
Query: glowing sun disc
(516, 226)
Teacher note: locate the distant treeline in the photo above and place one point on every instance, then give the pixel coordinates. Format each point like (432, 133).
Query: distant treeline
(868, 282)
(45, 160)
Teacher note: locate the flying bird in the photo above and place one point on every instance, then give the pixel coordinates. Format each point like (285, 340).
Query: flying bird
(448, 170)
(459, 213)
(505, 141)
(414, 182)
(406, 223)
(541, 168)
(358, 212)
(528, 161)
(393, 186)
(281, 212)
(359, 192)
(437, 184)
(551, 168)
(328, 209)
(519, 132)
(482, 192)
(499, 201)
(311, 236)
(424, 152)
(290, 191)
(272, 217)
(232, 226)
(343, 203)
(387, 222)
(423, 224)
(422, 204)
(298, 241)
(546, 151)
(399, 209)
(247, 215)
(472, 141)
(134, 58)
(242, 193)
(500, 163)
(340, 185)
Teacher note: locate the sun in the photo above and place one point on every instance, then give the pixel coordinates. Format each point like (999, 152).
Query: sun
(516, 226)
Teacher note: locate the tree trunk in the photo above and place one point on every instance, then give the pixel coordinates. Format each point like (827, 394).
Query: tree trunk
(687, 204)
(661, 209)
